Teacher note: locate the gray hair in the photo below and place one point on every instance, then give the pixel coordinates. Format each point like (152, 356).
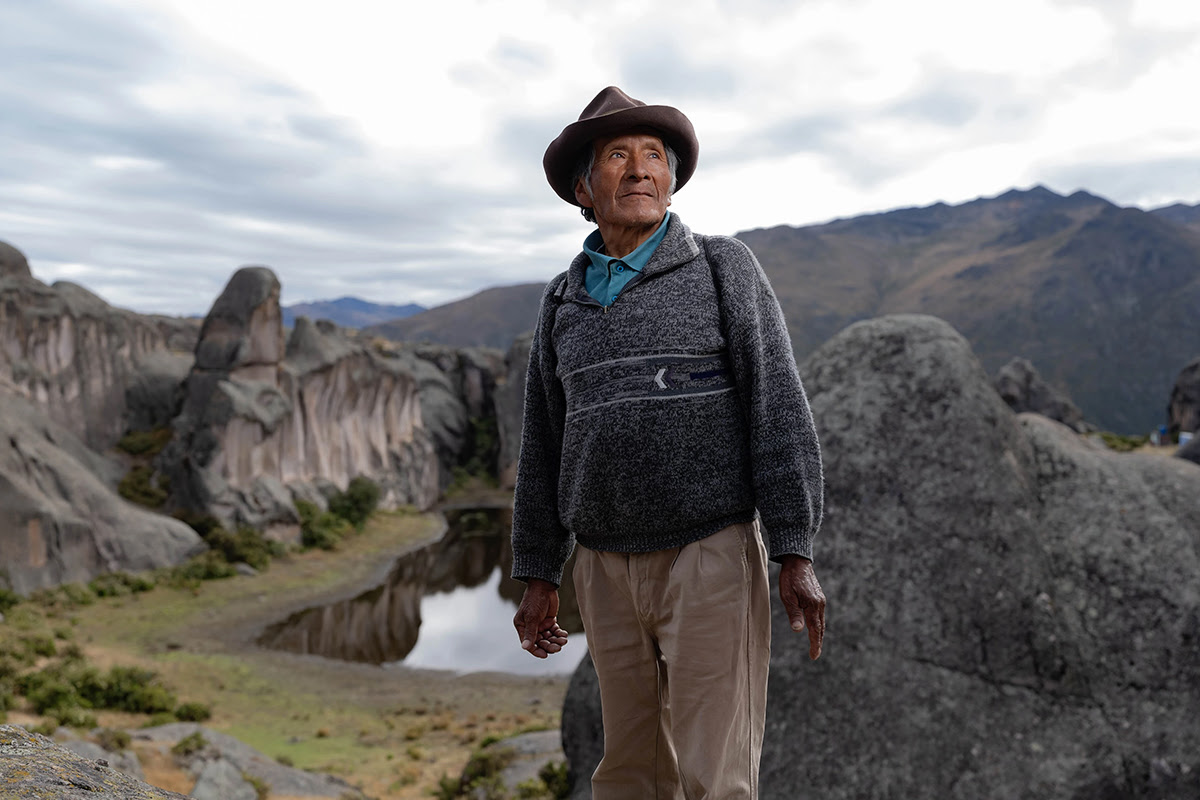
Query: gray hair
(583, 172)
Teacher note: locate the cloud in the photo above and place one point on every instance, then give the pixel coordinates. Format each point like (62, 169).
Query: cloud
(151, 147)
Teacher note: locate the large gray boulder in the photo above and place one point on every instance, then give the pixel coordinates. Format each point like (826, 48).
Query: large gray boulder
(221, 780)
(34, 767)
(73, 354)
(60, 519)
(1023, 388)
(1183, 409)
(264, 421)
(1013, 610)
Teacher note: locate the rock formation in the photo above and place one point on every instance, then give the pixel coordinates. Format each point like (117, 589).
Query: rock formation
(60, 520)
(510, 408)
(263, 422)
(457, 390)
(32, 766)
(73, 355)
(1022, 387)
(281, 780)
(1013, 610)
(1183, 410)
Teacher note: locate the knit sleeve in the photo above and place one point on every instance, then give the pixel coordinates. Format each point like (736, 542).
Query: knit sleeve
(541, 544)
(785, 453)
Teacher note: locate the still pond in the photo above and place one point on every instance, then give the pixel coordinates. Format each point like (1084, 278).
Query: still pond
(447, 606)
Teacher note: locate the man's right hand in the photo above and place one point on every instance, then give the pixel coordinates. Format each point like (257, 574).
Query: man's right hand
(536, 620)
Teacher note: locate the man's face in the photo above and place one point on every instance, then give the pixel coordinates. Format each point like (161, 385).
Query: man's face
(631, 181)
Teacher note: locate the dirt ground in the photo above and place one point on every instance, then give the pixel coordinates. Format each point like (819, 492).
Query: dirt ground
(392, 732)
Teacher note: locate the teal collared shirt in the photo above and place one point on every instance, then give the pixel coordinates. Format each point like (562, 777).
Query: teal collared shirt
(606, 277)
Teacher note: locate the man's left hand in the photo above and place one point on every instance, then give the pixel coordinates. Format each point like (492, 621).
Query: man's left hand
(804, 601)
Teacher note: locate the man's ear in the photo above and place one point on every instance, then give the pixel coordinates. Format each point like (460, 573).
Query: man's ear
(581, 194)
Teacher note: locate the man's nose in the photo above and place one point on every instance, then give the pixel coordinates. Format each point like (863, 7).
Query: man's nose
(638, 168)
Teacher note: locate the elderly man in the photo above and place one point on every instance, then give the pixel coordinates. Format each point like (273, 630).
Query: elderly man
(664, 418)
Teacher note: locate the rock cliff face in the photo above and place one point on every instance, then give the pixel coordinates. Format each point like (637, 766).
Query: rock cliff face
(60, 520)
(263, 423)
(457, 389)
(73, 355)
(1013, 611)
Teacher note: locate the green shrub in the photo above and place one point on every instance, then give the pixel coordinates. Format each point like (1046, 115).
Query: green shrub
(145, 443)
(119, 584)
(246, 545)
(1122, 443)
(554, 776)
(486, 763)
(190, 744)
(325, 531)
(113, 741)
(285, 760)
(39, 645)
(202, 524)
(63, 598)
(140, 486)
(8, 599)
(47, 692)
(193, 712)
(204, 567)
(356, 504)
(74, 717)
(137, 690)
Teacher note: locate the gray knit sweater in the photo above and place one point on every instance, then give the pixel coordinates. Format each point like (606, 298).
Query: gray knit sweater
(676, 412)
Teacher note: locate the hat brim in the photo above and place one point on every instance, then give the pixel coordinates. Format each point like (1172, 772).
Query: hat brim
(563, 154)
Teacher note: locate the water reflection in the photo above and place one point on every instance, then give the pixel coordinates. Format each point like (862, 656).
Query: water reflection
(446, 606)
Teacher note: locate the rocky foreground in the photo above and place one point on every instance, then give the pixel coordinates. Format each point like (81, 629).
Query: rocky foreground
(1014, 610)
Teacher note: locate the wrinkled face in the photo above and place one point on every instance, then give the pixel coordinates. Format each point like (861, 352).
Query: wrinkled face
(630, 183)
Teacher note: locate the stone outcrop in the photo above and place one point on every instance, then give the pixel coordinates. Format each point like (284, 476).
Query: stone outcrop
(1024, 389)
(72, 354)
(1183, 410)
(1013, 610)
(510, 408)
(60, 520)
(457, 390)
(264, 422)
(238, 758)
(32, 766)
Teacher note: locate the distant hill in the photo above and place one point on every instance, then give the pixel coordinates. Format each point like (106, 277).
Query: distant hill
(1105, 301)
(493, 317)
(1180, 213)
(348, 312)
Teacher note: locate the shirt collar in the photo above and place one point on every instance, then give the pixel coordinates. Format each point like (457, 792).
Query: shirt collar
(594, 244)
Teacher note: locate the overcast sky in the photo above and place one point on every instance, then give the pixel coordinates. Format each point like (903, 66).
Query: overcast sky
(392, 150)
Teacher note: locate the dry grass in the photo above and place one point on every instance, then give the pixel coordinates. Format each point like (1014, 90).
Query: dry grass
(391, 732)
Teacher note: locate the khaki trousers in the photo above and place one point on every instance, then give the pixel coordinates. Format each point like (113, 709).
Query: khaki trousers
(681, 640)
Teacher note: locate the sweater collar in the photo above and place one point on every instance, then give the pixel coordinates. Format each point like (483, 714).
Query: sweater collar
(678, 247)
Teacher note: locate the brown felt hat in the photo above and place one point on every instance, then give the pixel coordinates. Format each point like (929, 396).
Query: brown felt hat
(612, 112)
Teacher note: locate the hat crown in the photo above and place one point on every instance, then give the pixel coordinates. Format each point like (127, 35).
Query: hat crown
(609, 101)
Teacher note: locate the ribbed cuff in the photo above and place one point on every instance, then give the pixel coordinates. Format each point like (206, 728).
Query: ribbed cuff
(789, 542)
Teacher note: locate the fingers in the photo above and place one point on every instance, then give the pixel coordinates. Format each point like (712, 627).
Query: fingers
(551, 639)
(815, 619)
